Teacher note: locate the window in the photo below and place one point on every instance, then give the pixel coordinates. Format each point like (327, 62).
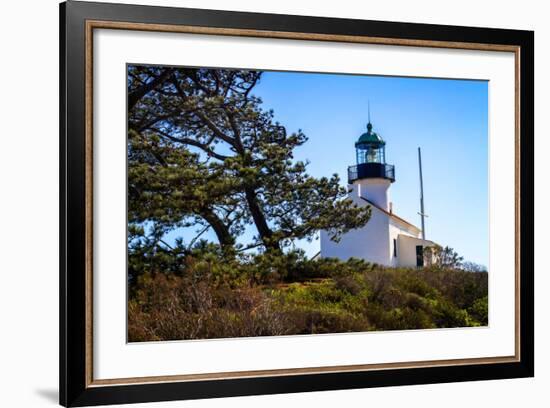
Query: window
(394, 247)
(419, 256)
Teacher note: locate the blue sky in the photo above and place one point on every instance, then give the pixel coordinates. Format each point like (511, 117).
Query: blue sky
(446, 118)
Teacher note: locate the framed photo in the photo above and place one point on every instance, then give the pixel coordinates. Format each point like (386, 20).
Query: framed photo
(256, 204)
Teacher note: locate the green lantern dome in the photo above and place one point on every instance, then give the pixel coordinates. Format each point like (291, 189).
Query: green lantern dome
(370, 137)
(370, 152)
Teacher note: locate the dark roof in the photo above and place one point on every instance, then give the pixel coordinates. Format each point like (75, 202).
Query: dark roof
(370, 137)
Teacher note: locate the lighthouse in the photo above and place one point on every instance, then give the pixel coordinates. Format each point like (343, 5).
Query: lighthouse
(386, 239)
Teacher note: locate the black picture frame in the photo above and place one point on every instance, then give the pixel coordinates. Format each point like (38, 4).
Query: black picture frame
(74, 387)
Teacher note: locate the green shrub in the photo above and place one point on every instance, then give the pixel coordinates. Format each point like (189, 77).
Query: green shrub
(267, 295)
(480, 310)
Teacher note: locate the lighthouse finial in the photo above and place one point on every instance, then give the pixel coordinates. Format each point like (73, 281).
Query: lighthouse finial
(369, 125)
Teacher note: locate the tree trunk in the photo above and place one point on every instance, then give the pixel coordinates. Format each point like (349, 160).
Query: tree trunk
(226, 240)
(265, 232)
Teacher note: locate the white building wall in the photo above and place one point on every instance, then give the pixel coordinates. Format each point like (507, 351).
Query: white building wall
(405, 228)
(393, 235)
(375, 190)
(406, 247)
(399, 228)
(369, 243)
(375, 241)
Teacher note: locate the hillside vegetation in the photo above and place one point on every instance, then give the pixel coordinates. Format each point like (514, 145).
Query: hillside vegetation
(288, 294)
(217, 203)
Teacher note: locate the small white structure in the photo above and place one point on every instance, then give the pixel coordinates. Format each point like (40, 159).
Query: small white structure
(386, 239)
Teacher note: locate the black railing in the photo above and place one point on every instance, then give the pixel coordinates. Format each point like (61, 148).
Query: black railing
(371, 170)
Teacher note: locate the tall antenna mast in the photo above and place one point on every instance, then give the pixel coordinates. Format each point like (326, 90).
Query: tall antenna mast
(422, 215)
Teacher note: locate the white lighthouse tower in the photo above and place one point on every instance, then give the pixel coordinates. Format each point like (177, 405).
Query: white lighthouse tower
(386, 239)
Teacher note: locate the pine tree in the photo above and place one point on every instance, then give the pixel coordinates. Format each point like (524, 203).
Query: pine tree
(206, 151)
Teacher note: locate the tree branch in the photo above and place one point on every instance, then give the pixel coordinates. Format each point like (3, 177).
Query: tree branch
(203, 146)
(205, 119)
(139, 93)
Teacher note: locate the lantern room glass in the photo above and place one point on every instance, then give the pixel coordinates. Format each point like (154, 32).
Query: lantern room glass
(370, 153)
